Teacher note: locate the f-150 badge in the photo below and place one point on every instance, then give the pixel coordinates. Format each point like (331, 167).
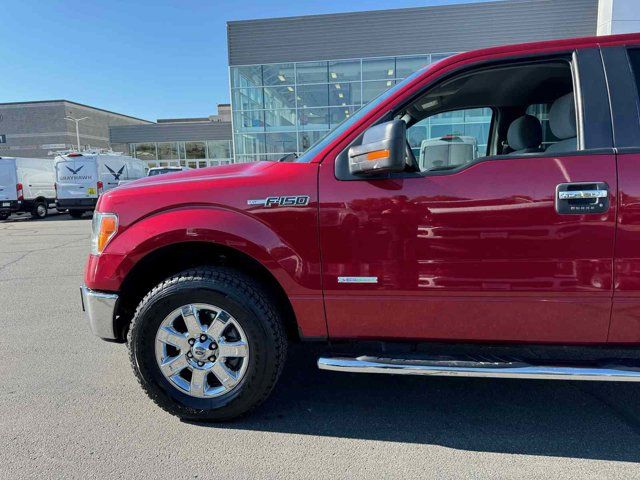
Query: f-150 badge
(285, 201)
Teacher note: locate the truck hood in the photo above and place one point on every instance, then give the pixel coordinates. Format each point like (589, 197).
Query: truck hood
(231, 187)
(237, 170)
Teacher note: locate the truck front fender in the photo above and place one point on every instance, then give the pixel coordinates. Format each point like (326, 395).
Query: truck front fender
(294, 270)
(295, 267)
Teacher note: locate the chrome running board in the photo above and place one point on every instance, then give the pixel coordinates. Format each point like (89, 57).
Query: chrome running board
(479, 368)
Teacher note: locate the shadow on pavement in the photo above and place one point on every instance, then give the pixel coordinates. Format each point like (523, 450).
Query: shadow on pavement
(594, 420)
(53, 215)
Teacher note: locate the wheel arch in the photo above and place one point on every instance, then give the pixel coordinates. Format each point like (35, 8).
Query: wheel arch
(168, 260)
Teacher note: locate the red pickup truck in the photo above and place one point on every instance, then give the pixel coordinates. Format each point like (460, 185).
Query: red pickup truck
(517, 255)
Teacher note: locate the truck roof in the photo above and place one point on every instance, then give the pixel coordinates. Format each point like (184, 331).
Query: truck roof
(550, 45)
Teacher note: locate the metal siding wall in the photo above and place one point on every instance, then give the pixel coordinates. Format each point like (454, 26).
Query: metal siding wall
(442, 29)
(170, 132)
(29, 126)
(95, 130)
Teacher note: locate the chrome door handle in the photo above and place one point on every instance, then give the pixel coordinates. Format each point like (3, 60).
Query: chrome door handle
(582, 198)
(575, 194)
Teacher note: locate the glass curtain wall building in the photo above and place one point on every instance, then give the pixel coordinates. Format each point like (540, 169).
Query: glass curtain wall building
(284, 108)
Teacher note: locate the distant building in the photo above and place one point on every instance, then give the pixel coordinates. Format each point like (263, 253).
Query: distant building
(190, 142)
(224, 115)
(34, 129)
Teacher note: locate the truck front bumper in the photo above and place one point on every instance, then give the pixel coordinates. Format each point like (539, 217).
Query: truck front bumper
(99, 309)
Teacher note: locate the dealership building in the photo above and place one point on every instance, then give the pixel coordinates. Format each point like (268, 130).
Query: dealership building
(37, 129)
(293, 79)
(190, 142)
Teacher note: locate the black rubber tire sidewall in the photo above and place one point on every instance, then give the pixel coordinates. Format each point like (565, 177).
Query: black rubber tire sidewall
(263, 358)
(76, 213)
(34, 212)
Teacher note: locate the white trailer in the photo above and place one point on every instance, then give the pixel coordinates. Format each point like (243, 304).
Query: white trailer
(26, 186)
(82, 176)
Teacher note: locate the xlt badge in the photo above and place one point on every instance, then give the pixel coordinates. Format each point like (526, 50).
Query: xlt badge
(284, 201)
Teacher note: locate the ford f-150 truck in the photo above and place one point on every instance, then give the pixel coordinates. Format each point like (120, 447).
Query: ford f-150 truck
(521, 261)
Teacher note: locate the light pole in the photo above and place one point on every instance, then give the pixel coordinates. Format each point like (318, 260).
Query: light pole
(77, 122)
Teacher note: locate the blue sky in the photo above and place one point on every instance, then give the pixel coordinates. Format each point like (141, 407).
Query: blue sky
(146, 58)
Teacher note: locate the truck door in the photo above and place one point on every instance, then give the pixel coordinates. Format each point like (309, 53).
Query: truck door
(623, 74)
(489, 248)
(76, 177)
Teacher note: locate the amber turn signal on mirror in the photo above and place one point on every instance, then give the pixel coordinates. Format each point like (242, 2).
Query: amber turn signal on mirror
(378, 154)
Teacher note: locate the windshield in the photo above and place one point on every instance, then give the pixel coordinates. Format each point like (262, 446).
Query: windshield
(344, 126)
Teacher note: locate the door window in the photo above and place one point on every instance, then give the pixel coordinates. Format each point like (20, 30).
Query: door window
(529, 109)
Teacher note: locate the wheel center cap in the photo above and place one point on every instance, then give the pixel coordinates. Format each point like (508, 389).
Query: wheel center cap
(200, 349)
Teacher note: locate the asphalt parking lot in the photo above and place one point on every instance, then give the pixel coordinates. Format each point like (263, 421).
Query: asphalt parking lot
(71, 408)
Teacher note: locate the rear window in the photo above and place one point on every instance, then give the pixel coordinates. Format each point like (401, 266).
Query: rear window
(634, 59)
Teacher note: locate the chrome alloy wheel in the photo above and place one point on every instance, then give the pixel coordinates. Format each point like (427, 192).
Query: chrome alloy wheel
(202, 350)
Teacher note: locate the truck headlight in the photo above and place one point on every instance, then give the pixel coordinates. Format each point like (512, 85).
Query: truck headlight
(103, 228)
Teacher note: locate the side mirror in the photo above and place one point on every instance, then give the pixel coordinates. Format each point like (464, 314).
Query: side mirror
(383, 149)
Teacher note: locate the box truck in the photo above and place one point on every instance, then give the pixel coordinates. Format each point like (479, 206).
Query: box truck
(26, 185)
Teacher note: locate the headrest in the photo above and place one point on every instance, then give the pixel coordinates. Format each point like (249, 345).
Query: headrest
(524, 132)
(562, 117)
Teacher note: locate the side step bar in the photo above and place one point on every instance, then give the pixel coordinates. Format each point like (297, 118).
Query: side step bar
(479, 368)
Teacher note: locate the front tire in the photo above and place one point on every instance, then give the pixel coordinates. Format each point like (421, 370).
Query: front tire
(76, 213)
(207, 344)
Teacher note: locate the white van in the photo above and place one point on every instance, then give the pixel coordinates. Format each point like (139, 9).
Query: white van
(26, 185)
(82, 176)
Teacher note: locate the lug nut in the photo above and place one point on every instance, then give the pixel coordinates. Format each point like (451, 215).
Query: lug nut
(203, 337)
(200, 364)
(212, 358)
(191, 341)
(212, 346)
(189, 354)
